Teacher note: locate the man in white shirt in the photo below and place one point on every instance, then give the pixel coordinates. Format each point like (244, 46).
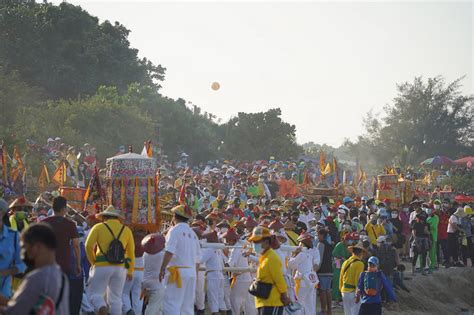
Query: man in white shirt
(153, 245)
(240, 299)
(306, 279)
(212, 259)
(454, 226)
(182, 254)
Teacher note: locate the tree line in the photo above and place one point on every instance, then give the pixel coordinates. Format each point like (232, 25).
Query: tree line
(62, 73)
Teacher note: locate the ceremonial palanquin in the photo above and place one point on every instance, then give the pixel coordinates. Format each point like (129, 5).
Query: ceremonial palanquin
(132, 186)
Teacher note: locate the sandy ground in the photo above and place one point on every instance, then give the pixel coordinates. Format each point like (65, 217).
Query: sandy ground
(445, 292)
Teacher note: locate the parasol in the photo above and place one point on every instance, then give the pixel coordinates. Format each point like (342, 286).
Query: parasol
(465, 160)
(437, 160)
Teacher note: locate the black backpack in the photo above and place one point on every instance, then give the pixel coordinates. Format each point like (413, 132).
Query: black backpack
(386, 255)
(116, 253)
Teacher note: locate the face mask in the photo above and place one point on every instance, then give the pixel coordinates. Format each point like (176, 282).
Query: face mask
(394, 215)
(428, 211)
(437, 207)
(207, 194)
(405, 209)
(347, 227)
(257, 247)
(224, 230)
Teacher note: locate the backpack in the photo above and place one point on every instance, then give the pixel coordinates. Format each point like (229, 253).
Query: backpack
(386, 255)
(371, 283)
(116, 253)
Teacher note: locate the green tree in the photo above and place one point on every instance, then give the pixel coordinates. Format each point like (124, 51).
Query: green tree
(14, 95)
(102, 120)
(65, 50)
(258, 136)
(428, 116)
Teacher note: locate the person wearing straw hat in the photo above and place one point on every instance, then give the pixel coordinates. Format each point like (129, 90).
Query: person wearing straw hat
(19, 209)
(153, 288)
(306, 279)
(240, 299)
(182, 255)
(269, 272)
(211, 258)
(111, 265)
(350, 273)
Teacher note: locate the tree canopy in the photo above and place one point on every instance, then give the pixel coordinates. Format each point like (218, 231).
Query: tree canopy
(67, 52)
(427, 118)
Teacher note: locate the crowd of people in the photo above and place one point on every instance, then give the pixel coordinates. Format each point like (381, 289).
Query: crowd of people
(244, 240)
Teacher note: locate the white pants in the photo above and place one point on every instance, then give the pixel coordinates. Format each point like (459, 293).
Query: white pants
(200, 293)
(155, 302)
(131, 293)
(307, 299)
(180, 301)
(215, 294)
(110, 279)
(350, 306)
(225, 302)
(241, 299)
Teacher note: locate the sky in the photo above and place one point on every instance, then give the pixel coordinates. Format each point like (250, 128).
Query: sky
(325, 64)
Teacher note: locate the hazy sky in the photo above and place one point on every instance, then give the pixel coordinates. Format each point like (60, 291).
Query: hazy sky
(325, 64)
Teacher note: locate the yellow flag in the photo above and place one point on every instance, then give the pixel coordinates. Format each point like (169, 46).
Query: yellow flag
(43, 178)
(327, 169)
(334, 169)
(17, 165)
(322, 161)
(59, 176)
(135, 202)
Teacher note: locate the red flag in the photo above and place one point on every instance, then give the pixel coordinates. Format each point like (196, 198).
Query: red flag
(3, 161)
(94, 185)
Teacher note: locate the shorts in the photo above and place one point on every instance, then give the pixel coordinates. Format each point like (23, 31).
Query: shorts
(325, 282)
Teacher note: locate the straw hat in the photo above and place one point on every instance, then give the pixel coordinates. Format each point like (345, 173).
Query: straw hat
(230, 235)
(223, 224)
(153, 243)
(460, 212)
(198, 231)
(282, 237)
(211, 237)
(306, 239)
(250, 223)
(20, 202)
(276, 225)
(111, 212)
(212, 216)
(259, 233)
(359, 246)
(183, 211)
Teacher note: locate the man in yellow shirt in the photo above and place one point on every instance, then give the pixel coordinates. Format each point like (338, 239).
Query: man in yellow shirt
(350, 273)
(269, 272)
(109, 272)
(374, 230)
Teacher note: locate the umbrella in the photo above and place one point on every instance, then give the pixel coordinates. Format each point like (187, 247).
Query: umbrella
(465, 160)
(437, 160)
